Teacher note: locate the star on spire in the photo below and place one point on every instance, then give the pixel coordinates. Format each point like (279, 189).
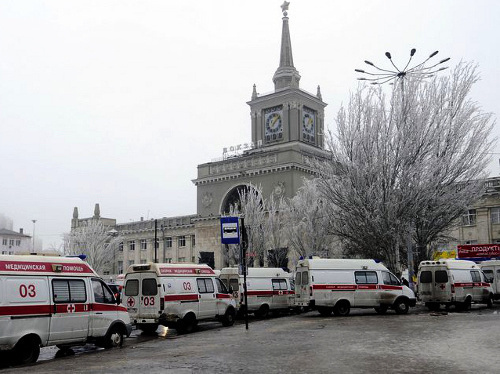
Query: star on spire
(284, 7)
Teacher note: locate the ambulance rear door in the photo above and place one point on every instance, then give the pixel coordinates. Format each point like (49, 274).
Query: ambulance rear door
(142, 296)
(302, 286)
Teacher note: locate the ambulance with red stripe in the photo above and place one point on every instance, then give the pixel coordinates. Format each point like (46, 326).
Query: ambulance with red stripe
(176, 295)
(453, 282)
(337, 285)
(56, 301)
(268, 289)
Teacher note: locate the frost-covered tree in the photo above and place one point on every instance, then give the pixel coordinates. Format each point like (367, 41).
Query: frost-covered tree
(274, 238)
(94, 240)
(253, 211)
(307, 223)
(405, 165)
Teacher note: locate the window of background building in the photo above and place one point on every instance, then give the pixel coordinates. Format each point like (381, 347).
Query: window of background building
(131, 245)
(144, 244)
(182, 241)
(469, 218)
(182, 259)
(18, 242)
(4, 252)
(470, 242)
(130, 262)
(168, 260)
(168, 242)
(193, 241)
(120, 246)
(120, 267)
(11, 241)
(4, 241)
(143, 261)
(495, 215)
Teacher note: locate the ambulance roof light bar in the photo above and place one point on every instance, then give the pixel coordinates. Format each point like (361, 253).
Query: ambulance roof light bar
(141, 267)
(81, 256)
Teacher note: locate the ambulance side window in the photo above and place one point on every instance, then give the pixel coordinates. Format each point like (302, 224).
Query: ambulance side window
(279, 284)
(390, 279)
(149, 287)
(366, 277)
(221, 287)
(69, 291)
(102, 294)
(205, 285)
(475, 276)
(132, 287)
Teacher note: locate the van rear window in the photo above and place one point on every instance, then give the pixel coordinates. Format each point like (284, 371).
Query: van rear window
(149, 287)
(297, 279)
(489, 275)
(426, 276)
(132, 287)
(233, 283)
(441, 276)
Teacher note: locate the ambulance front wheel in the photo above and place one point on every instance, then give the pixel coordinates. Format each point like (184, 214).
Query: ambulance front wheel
(401, 306)
(228, 319)
(114, 338)
(27, 350)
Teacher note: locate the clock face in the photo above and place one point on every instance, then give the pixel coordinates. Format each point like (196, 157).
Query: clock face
(273, 122)
(308, 124)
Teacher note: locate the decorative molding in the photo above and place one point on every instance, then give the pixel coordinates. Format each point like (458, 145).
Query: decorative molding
(279, 189)
(207, 199)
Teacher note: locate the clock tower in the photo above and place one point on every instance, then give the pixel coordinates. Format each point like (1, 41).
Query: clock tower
(289, 114)
(287, 128)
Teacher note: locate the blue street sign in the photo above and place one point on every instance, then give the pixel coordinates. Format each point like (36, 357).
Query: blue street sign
(230, 230)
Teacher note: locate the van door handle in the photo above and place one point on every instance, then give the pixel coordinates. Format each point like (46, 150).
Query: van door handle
(98, 312)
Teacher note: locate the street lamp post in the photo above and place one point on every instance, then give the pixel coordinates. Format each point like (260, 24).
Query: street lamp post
(162, 228)
(156, 241)
(33, 247)
(381, 76)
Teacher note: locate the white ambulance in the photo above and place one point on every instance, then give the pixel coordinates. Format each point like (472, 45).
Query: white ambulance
(268, 289)
(176, 295)
(452, 282)
(491, 270)
(337, 285)
(55, 301)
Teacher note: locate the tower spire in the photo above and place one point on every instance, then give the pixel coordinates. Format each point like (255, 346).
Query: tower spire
(286, 75)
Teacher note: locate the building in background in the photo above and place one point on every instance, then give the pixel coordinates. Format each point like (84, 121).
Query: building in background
(479, 225)
(13, 242)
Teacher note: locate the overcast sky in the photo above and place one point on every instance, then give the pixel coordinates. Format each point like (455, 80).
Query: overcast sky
(117, 102)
